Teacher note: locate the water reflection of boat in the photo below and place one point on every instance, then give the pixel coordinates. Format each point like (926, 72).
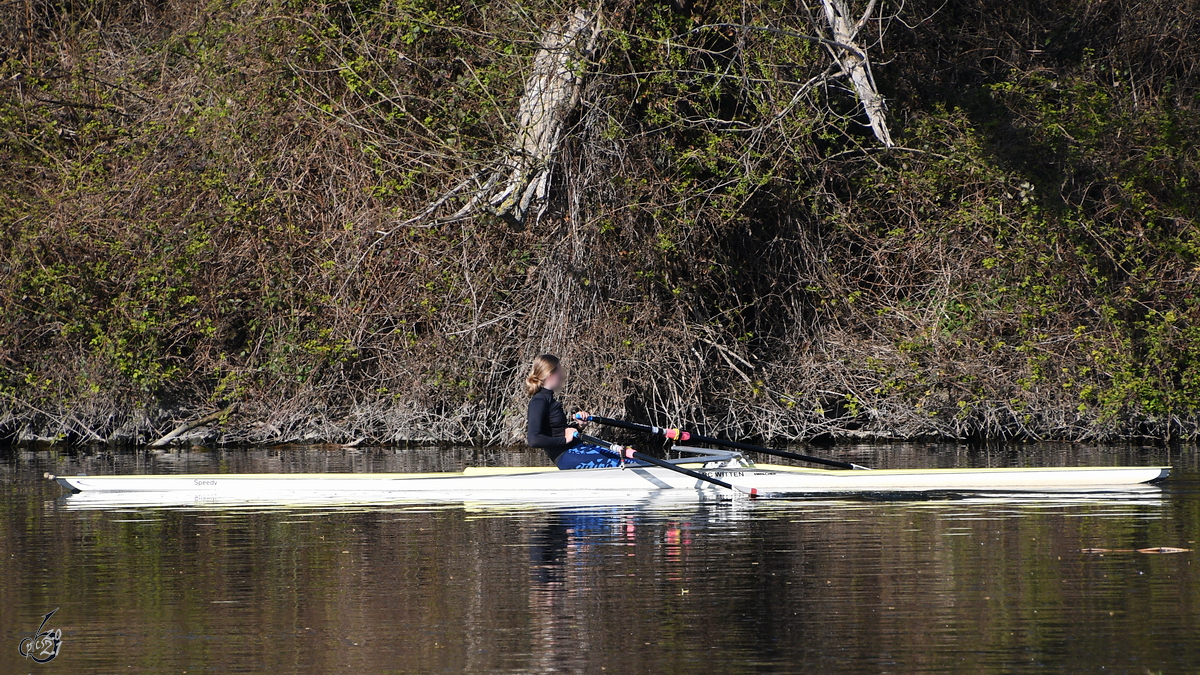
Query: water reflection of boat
(502, 499)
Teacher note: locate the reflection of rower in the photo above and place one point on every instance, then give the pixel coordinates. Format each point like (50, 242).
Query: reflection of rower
(547, 427)
(565, 556)
(568, 537)
(548, 551)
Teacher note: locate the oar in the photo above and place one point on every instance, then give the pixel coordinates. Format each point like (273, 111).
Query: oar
(680, 435)
(630, 453)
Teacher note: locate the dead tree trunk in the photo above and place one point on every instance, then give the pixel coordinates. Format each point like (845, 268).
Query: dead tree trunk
(522, 173)
(853, 60)
(551, 92)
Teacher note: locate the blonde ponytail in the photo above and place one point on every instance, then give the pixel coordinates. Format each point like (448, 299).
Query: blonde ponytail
(542, 367)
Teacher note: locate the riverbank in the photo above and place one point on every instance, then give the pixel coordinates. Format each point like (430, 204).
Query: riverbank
(293, 208)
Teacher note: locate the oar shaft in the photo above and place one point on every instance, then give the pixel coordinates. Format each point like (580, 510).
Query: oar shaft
(630, 453)
(777, 453)
(680, 435)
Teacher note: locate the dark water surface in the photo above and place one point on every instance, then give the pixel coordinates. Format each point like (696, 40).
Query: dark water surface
(933, 586)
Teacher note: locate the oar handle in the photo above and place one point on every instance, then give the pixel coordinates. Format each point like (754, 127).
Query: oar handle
(630, 453)
(680, 435)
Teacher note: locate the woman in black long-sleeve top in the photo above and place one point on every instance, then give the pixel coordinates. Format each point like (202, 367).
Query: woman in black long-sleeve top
(547, 426)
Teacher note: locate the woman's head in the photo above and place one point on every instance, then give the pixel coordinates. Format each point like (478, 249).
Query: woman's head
(544, 373)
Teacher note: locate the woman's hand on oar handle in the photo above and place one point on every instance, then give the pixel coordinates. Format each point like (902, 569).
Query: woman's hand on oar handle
(581, 419)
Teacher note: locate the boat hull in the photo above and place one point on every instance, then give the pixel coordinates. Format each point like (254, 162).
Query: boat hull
(766, 479)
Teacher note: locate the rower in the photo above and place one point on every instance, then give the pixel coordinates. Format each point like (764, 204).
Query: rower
(547, 424)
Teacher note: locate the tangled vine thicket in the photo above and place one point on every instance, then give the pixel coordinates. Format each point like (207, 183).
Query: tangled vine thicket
(262, 203)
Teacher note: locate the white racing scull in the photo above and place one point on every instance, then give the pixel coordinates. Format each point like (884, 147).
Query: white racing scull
(724, 466)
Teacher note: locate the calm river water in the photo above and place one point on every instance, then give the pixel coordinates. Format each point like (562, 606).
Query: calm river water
(789, 586)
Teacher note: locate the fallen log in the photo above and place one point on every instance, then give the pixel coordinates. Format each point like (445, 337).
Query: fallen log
(188, 426)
